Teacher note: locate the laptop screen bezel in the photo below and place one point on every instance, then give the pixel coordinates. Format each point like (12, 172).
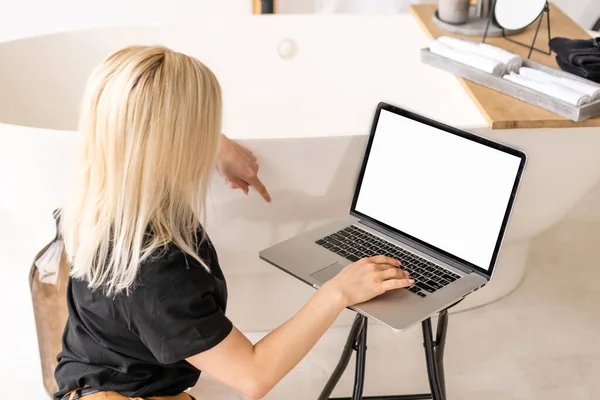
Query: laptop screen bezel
(458, 132)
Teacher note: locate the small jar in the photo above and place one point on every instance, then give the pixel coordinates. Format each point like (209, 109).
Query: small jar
(454, 11)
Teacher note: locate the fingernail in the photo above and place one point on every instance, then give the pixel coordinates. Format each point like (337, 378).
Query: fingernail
(411, 280)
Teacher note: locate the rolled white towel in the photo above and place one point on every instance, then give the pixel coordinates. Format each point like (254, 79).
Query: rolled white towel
(588, 88)
(459, 44)
(591, 89)
(512, 61)
(551, 89)
(473, 60)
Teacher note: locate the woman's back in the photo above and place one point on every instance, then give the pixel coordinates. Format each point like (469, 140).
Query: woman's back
(133, 344)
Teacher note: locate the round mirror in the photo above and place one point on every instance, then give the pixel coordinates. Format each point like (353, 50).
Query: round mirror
(517, 14)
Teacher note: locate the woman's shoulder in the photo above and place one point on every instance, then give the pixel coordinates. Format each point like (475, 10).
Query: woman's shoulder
(170, 269)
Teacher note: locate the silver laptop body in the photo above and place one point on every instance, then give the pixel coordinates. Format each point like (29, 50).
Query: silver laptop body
(432, 196)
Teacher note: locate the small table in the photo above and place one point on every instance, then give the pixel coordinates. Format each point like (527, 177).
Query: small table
(500, 110)
(357, 341)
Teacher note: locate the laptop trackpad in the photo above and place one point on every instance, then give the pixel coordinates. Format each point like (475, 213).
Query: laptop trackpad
(327, 273)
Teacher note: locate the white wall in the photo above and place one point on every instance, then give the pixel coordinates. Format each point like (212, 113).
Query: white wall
(20, 18)
(584, 12)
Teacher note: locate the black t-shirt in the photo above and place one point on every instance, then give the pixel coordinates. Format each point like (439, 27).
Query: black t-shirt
(137, 344)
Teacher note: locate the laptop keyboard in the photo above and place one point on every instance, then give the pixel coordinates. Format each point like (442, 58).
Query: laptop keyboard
(354, 243)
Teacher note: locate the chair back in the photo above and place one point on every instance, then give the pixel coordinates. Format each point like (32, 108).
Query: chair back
(48, 283)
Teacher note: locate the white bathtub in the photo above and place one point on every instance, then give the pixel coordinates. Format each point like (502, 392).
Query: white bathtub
(306, 118)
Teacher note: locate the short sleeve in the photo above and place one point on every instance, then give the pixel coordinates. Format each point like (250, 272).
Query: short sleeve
(179, 315)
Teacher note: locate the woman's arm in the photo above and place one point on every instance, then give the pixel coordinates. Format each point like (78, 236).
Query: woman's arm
(255, 369)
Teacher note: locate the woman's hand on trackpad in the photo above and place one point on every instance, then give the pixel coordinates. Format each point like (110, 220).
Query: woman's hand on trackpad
(368, 278)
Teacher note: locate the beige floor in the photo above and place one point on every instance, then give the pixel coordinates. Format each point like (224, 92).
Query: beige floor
(540, 342)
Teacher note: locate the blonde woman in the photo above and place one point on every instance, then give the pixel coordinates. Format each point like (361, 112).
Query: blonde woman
(146, 296)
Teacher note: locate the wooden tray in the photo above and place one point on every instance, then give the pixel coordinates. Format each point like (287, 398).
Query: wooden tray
(574, 113)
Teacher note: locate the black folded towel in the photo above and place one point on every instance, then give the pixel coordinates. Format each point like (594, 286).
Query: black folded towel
(579, 57)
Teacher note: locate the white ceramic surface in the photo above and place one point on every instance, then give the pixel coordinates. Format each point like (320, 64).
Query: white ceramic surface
(305, 117)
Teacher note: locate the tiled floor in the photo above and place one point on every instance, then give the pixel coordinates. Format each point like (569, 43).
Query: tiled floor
(541, 342)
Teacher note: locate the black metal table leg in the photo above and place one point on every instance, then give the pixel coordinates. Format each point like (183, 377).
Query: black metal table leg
(440, 346)
(357, 341)
(349, 347)
(361, 357)
(434, 356)
(431, 362)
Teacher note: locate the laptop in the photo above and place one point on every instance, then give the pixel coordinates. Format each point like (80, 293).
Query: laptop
(434, 197)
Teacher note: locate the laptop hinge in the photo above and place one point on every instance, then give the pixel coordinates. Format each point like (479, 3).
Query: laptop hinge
(419, 247)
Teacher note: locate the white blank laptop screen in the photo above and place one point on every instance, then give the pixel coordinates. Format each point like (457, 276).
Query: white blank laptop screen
(447, 191)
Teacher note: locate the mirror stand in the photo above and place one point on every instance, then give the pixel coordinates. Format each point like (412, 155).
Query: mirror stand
(545, 12)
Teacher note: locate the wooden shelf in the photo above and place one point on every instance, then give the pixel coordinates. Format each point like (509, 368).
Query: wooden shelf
(503, 111)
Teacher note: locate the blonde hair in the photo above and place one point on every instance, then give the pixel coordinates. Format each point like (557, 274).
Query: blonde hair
(150, 121)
